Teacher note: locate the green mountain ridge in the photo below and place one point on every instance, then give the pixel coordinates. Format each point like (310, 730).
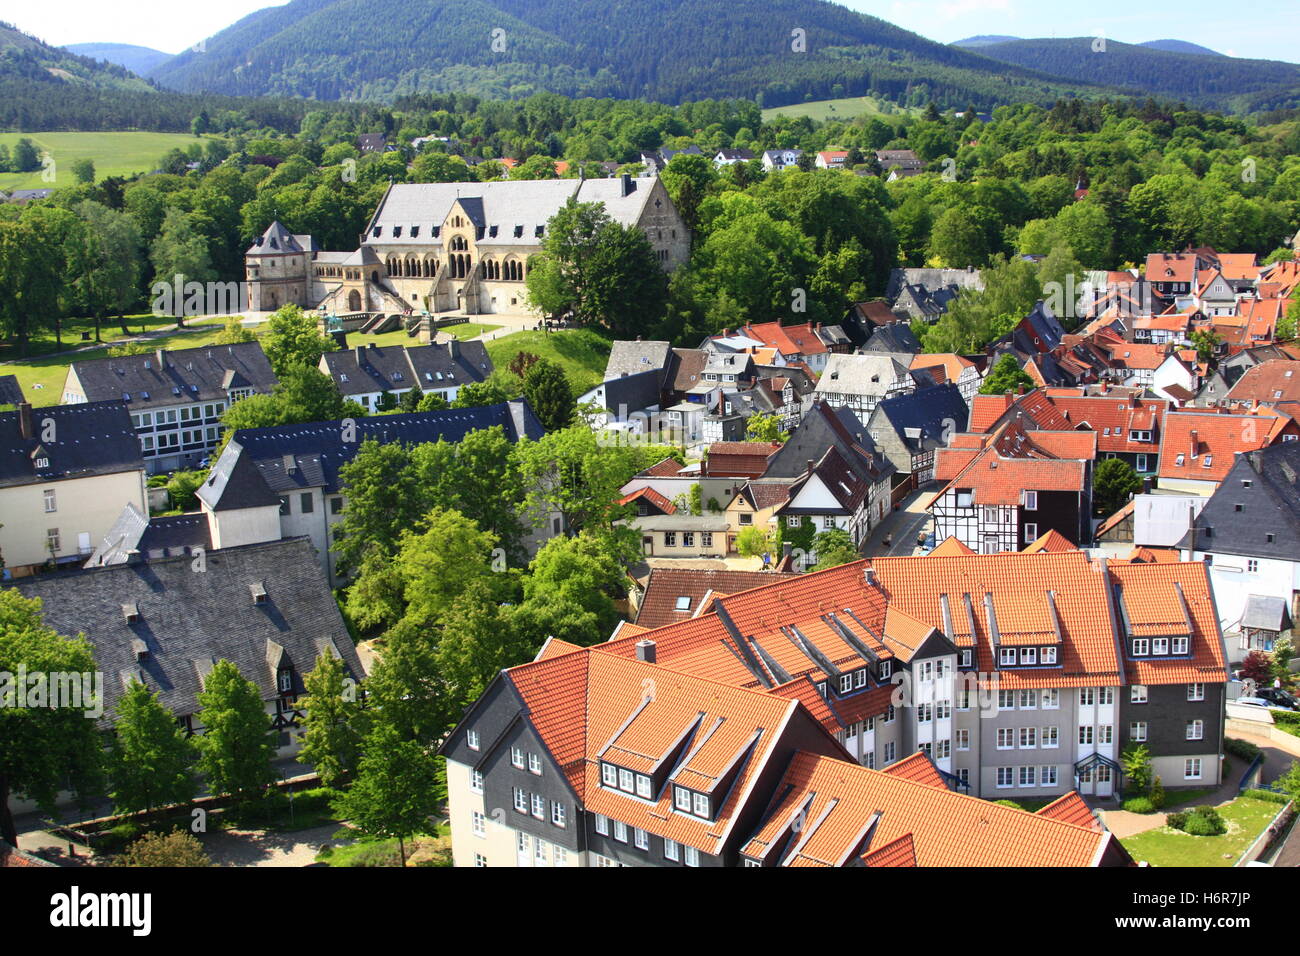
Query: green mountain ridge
(140, 60)
(1210, 82)
(671, 51)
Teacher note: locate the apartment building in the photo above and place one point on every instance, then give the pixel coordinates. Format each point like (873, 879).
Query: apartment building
(1009, 675)
(176, 398)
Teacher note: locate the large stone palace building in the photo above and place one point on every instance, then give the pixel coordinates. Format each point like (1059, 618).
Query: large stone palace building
(459, 248)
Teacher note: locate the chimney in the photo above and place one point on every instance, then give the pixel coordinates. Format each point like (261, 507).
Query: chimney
(161, 356)
(25, 420)
(787, 549)
(1196, 444)
(811, 465)
(290, 465)
(625, 184)
(645, 651)
(360, 351)
(452, 349)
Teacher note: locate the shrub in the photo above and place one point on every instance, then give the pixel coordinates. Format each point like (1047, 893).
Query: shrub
(1177, 820)
(1007, 803)
(1240, 748)
(1268, 795)
(1205, 821)
(1139, 805)
(178, 849)
(1157, 793)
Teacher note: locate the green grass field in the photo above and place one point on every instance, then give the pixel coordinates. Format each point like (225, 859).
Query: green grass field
(1164, 846)
(114, 154)
(580, 352)
(842, 109)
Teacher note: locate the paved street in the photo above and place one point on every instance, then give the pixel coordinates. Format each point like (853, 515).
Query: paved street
(902, 526)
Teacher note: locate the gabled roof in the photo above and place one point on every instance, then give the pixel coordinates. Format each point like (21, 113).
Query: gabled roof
(1269, 382)
(924, 419)
(679, 594)
(1265, 486)
(872, 374)
(67, 441)
(629, 358)
(951, 546)
(291, 458)
(136, 536)
(828, 812)
(1050, 542)
(367, 369)
(738, 459)
(1201, 446)
(186, 621)
(167, 377)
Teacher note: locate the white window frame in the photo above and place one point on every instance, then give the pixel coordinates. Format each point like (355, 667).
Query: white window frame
(1196, 691)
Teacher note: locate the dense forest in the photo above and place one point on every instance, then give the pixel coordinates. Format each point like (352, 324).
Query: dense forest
(782, 51)
(1207, 81)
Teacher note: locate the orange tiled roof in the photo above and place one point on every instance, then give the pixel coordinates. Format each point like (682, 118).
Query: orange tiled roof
(1201, 446)
(1150, 601)
(652, 496)
(554, 647)
(987, 409)
(827, 811)
(1277, 380)
(1071, 808)
(950, 547)
(1051, 541)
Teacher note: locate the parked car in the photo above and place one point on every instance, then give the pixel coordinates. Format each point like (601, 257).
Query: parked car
(1252, 702)
(1277, 698)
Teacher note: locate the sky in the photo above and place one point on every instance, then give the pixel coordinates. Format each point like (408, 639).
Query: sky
(1265, 29)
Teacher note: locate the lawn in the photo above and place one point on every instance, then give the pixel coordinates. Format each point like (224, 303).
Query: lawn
(582, 353)
(1164, 846)
(840, 109)
(114, 154)
(422, 850)
(42, 377)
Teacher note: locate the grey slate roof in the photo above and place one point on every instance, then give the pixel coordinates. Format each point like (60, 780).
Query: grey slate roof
(163, 377)
(150, 538)
(922, 418)
(826, 427)
(1266, 613)
(260, 464)
(188, 620)
(871, 374)
(276, 241)
(500, 208)
(893, 338)
(630, 358)
(11, 393)
(626, 394)
(366, 369)
(92, 438)
(932, 279)
(1269, 505)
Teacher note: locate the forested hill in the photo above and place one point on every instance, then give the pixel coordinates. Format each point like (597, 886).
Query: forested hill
(668, 50)
(138, 59)
(1211, 82)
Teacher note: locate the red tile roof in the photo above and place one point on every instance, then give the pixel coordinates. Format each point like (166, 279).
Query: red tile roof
(950, 547)
(1201, 446)
(667, 585)
(738, 459)
(828, 812)
(1272, 381)
(662, 504)
(1150, 594)
(1071, 808)
(1053, 541)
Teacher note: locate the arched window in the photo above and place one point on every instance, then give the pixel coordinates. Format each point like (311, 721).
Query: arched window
(458, 243)
(354, 301)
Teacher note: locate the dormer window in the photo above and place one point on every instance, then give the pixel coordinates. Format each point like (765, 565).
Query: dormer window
(1028, 655)
(472, 739)
(1008, 656)
(1049, 655)
(886, 669)
(965, 657)
(1141, 647)
(258, 590)
(284, 680)
(131, 612)
(1160, 645)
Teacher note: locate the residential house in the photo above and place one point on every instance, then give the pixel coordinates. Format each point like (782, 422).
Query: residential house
(263, 607)
(283, 481)
(831, 159)
(956, 369)
(669, 478)
(1198, 449)
(904, 160)
(729, 157)
(777, 159)
(366, 373)
(627, 405)
(861, 382)
(680, 535)
(1248, 534)
(176, 398)
(896, 338)
(862, 320)
(136, 536)
(672, 595)
(755, 505)
(908, 429)
(993, 502)
(1269, 383)
(831, 494)
(66, 474)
